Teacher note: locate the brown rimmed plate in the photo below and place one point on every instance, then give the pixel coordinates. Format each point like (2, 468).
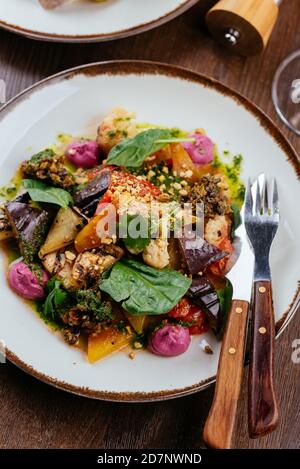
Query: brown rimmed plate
(87, 21)
(74, 102)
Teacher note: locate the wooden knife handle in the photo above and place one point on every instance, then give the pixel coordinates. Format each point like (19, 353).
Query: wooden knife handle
(263, 410)
(219, 425)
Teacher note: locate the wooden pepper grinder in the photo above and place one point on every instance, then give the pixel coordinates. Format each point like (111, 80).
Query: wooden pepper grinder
(244, 26)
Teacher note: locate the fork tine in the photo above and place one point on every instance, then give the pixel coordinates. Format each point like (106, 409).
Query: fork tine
(265, 197)
(275, 207)
(257, 198)
(248, 200)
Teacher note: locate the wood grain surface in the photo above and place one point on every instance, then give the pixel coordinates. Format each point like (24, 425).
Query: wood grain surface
(34, 415)
(220, 423)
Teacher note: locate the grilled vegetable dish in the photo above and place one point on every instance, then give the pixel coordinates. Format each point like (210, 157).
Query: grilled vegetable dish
(125, 239)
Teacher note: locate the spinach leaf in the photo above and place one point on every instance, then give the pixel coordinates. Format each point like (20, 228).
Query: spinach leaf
(131, 225)
(142, 289)
(237, 219)
(225, 299)
(133, 151)
(40, 192)
(57, 297)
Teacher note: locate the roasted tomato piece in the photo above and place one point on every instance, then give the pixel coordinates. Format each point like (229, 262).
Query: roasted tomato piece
(122, 182)
(106, 199)
(219, 268)
(127, 181)
(182, 309)
(190, 313)
(92, 173)
(200, 324)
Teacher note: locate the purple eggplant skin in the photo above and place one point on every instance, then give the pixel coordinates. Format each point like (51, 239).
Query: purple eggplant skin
(30, 226)
(87, 198)
(198, 253)
(203, 294)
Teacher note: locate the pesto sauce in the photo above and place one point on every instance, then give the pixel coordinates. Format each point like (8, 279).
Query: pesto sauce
(11, 250)
(9, 192)
(232, 170)
(176, 132)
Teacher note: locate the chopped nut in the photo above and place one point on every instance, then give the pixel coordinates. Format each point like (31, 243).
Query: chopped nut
(204, 345)
(163, 198)
(183, 192)
(70, 255)
(138, 345)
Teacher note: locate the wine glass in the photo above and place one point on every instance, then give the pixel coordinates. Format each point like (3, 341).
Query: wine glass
(286, 91)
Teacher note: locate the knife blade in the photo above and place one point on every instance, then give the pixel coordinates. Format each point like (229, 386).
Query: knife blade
(219, 426)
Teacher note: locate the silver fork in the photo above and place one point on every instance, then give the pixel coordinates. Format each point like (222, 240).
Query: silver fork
(261, 223)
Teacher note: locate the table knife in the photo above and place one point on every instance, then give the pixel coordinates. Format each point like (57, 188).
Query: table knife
(219, 426)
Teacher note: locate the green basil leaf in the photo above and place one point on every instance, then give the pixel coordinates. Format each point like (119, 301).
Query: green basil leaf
(225, 299)
(56, 298)
(143, 290)
(40, 192)
(130, 225)
(133, 151)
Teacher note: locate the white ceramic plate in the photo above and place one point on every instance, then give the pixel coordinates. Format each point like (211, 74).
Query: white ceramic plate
(85, 21)
(75, 102)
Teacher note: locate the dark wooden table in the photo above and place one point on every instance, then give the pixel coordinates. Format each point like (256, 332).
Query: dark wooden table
(34, 415)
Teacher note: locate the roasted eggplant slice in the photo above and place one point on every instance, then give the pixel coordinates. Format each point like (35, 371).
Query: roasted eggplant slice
(87, 198)
(203, 293)
(198, 253)
(215, 300)
(63, 231)
(29, 225)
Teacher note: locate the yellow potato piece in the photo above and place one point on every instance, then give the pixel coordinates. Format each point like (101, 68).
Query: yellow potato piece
(137, 322)
(106, 342)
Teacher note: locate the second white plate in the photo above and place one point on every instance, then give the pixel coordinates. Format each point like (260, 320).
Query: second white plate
(86, 21)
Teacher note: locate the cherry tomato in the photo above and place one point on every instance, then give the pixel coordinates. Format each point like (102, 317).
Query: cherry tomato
(190, 313)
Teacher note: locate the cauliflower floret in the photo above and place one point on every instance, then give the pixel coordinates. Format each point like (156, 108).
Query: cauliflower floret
(216, 229)
(116, 126)
(156, 253)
